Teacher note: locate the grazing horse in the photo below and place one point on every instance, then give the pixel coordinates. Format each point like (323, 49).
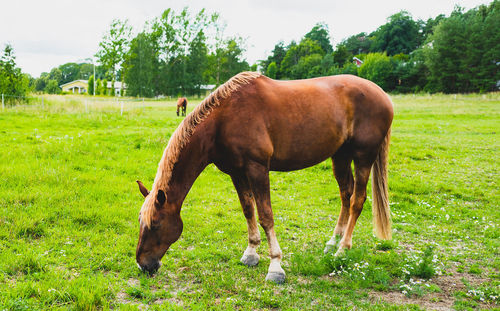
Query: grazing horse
(182, 104)
(251, 125)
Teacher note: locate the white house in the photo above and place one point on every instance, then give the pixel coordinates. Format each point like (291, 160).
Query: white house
(81, 86)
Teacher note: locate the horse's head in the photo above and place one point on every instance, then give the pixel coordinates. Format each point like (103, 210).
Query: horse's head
(160, 226)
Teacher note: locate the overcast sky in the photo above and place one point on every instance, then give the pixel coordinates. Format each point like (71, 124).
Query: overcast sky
(46, 34)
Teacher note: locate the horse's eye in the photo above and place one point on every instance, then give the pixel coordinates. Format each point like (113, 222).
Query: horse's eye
(155, 225)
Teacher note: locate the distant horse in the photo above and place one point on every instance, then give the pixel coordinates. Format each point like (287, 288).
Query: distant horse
(182, 104)
(251, 125)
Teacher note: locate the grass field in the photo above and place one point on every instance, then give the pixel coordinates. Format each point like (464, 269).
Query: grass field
(69, 205)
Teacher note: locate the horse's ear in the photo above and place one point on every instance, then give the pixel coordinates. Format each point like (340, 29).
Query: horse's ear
(161, 197)
(143, 189)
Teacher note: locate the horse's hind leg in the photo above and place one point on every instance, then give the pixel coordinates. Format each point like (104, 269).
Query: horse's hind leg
(250, 256)
(343, 174)
(362, 167)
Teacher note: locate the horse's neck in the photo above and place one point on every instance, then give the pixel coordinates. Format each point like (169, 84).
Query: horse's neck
(191, 161)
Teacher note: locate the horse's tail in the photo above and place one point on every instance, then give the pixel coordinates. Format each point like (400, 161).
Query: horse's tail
(380, 202)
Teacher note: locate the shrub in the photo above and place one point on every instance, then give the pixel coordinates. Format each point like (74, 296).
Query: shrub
(378, 68)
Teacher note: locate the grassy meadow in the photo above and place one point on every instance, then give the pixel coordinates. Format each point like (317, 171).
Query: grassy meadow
(69, 206)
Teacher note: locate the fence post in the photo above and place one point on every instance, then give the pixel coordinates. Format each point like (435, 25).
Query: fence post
(86, 106)
(3, 104)
(42, 103)
(121, 108)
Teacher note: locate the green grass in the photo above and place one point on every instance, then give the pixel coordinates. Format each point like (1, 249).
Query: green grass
(69, 205)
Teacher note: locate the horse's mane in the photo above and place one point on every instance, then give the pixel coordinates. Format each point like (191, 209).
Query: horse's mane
(182, 134)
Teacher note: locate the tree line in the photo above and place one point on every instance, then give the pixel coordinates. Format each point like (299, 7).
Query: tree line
(455, 54)
(174, 54)
(177, 53)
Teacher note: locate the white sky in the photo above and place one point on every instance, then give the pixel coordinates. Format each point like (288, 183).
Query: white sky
(46, 34)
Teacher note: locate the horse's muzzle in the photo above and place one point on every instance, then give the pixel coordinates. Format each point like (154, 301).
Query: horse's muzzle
(151, 267)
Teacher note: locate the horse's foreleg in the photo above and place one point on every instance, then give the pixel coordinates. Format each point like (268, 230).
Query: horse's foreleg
(362, 173)
(258, 177)
(177, 111)
(343, 174)
(250, 256)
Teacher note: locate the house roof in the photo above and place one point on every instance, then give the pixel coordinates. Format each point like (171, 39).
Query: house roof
(83, 81)
(357, 59)
(118, 84)
(207, 86)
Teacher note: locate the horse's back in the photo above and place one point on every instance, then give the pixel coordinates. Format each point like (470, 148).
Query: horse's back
(301, 123)
(182, 102)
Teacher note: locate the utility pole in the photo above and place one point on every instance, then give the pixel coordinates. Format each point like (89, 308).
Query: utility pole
(94, 75)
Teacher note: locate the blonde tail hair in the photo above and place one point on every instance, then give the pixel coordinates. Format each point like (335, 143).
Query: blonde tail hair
(380, 204)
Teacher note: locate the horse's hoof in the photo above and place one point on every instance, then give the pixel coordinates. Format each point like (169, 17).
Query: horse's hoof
(340, 252)
(250, 260)
(332, 244)
(328, 248)
(276, 277)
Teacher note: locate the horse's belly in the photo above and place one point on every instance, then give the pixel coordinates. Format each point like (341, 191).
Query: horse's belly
(304, 151)
(292, 165)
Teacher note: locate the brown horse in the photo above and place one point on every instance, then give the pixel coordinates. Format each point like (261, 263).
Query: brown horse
(182, 104)
(253, 124)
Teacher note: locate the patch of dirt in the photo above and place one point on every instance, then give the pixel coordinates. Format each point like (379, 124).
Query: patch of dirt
(122, 298)
(303, 281)
(133, 282)
(174, 301)
(444, 300)
(429, 302)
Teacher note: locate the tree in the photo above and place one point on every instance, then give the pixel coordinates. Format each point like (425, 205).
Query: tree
(358, 44)
(112, 48)
(272, 70)
(295, 53)
(463, 52)
(309, 66)
(98, 87)
(85, 71)
(410, 72)
(69, 72)
(12, 80)
(320, 34)
(231, 59)
(277, 56)
(90, 87)
(444, 54)
(183, 50)
(489, 74)
(428, 27)
(140, 65)
(341, 55)
(378, 68)
(399, 35)
(218, 46)
(197, 62)
(104, 87)
(41, 82)
(56, 75)
(52, 87)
